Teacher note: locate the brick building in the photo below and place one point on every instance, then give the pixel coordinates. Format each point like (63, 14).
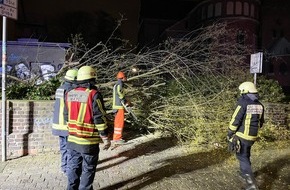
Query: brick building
(262, 25)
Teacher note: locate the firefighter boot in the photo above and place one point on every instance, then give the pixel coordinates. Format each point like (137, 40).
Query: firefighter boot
(251, 184)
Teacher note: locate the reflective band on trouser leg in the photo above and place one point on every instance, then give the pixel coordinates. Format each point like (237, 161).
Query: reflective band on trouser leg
(119, 124)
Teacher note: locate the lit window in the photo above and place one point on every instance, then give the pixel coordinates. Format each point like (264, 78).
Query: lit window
(230, 8)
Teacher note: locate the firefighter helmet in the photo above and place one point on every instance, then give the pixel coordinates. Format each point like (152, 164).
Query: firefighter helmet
(248, 87)
(121, 75)
(86, 73)
(71, 75)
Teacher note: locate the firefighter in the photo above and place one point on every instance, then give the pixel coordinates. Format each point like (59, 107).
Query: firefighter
(87, 128)
(118, 108)
(245, 123)
(59, 125)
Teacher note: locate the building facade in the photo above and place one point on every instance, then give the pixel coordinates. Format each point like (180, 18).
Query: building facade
(261, 25)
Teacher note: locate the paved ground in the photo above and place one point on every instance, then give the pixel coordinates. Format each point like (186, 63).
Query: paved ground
(154, 163)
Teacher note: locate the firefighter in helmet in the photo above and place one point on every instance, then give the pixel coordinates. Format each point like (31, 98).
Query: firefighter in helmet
(245, 123)
(87, 128)
(59, 124)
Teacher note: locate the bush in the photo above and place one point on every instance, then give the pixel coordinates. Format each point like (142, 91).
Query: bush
(29, 91)
(270, 90)
(271, 132)
(200, 113)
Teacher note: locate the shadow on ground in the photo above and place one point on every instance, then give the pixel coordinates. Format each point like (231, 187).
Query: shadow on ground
(146, 148)
(269, 174)
(178, 165)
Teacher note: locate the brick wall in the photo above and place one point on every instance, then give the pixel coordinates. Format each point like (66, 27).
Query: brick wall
(29, 128)
(277, 114)
(288, 116)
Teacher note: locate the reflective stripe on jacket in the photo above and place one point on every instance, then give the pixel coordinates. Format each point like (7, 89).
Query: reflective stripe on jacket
(59, 123)
(118, 95)
(247, 118)
(86, 119)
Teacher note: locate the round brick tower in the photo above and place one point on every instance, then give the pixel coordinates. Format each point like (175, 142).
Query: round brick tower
(242, 16)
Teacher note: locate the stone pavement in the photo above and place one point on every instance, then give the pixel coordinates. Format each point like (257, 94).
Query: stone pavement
(148, 163)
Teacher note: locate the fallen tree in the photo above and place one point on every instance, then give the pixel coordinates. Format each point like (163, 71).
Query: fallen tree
(186, 88)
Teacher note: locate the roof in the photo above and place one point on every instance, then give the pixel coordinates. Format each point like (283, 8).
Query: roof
(280, 46)
(34, 42)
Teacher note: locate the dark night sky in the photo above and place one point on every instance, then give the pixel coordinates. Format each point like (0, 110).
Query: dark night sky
(46, 13)
(166, 9)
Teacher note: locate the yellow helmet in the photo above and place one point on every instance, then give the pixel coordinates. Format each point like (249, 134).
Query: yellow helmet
(248, 87)
(86, 73)
(71, 75)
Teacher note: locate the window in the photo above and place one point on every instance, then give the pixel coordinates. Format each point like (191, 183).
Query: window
(218, 9)
(252, 10)
(254, 40)
(230, 8)
(210, 11)
(241, 37)
(246, 9)
(238, 8)
(203, 13)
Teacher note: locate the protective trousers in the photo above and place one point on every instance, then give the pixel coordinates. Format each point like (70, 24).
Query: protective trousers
(244, 158)
(63, 152)
(119, 124)
(81, 170)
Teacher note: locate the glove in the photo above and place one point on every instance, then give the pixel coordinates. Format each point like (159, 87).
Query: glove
(128, 103)
(230, 134)
(234, 144)
(107, 143)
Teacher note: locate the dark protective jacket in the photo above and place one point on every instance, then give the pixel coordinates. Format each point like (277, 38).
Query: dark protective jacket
(247, 118)
(86, 118)
(59, 123)
(118, 95)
